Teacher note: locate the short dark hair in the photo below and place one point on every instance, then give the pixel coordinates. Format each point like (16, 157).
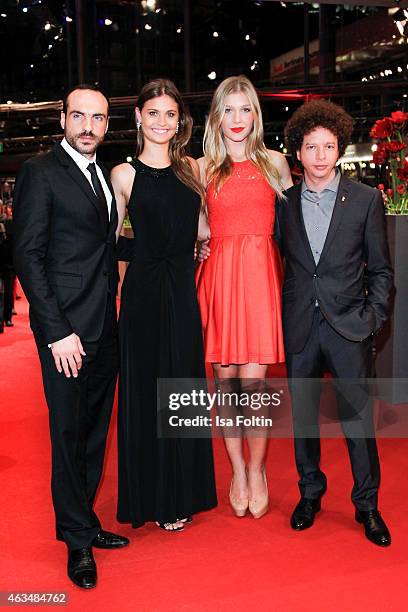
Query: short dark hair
(315, 114)
(89, 86)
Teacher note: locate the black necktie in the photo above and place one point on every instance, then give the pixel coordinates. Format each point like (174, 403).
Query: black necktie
(100, 194)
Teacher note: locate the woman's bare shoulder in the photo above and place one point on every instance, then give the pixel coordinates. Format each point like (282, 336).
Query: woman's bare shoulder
(122, 176)
(277, 158)
(123, 171)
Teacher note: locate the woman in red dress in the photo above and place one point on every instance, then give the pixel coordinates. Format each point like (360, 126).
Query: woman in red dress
(239, 285)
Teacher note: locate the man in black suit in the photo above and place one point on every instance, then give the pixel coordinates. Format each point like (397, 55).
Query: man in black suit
(338, 277)
(65, 220)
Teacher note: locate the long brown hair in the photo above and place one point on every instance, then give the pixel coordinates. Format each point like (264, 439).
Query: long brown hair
(177, 146)
(218, 162)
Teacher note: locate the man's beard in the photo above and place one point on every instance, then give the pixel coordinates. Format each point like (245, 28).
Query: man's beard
(89, 149)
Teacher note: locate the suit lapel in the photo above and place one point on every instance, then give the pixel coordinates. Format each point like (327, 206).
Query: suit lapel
(338, 210)
(297, 193)
(79, 178)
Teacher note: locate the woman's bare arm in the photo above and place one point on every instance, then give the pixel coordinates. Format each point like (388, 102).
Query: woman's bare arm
(203, 226)
(203, 171)
(282, 166)
(122, 179)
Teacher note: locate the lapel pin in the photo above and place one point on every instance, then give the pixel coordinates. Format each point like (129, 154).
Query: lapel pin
(343, 198)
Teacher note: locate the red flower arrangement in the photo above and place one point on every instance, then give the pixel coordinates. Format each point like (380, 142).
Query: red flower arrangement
(383, 128)
(394, 146)
(402, 172)
(381, 154)
(392, 151)
(399, 117)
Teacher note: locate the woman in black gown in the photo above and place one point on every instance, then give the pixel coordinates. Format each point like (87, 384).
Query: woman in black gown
(162, 480)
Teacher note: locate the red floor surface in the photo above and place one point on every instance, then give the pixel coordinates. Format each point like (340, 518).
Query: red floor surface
(219, 563)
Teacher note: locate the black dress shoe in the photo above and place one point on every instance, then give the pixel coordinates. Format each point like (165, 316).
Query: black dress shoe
(105, 539)
(82, 568)
(375, 528)
(9, 324)
(304, 513)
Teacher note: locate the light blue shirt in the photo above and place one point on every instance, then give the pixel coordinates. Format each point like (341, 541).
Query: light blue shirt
(317, 210)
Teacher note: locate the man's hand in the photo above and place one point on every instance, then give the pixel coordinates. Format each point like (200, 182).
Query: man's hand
(204, 251)
(67, 355)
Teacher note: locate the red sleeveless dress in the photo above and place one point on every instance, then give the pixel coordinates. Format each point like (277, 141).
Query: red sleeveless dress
(239, 285)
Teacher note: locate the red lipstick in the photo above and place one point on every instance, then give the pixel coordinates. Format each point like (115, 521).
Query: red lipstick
(237, 130)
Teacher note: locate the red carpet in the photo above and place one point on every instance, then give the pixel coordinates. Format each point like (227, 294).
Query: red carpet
(219, 563)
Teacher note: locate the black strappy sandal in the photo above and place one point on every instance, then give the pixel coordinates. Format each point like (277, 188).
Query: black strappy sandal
(166, 526)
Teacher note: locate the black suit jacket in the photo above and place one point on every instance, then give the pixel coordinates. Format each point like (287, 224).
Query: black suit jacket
(64, 251)
(353, 279)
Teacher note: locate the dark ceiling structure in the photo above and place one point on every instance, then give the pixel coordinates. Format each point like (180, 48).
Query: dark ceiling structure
(290, 50)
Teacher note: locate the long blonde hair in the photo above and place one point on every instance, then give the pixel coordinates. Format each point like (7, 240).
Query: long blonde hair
(177, 146)
(218, 162)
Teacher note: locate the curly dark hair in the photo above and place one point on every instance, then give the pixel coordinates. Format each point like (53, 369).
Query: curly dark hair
(315, 114)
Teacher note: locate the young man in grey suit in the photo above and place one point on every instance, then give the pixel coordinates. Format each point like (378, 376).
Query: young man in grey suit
(338, 278)
(65, 220)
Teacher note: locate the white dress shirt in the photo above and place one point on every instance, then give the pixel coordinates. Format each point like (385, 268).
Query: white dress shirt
(82, 163)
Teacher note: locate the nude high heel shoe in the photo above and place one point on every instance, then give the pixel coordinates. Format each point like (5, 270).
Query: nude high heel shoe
(239, 507)
(259, 507)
